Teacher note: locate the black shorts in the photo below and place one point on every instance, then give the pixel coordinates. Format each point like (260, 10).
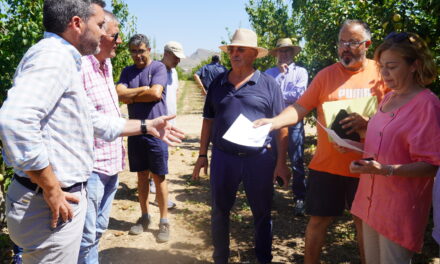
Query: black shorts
(329, 194)
(146, 152)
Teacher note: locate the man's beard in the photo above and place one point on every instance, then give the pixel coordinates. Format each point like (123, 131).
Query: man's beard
(88, 45)
(350, 59)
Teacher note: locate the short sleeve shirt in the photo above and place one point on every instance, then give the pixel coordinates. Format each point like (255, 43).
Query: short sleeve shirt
(132, 77)
(209, 72)
(259, 98)
(398, 207)
(335, 83)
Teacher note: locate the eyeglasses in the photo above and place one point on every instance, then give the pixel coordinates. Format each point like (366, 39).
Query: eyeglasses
(351, 44)
(399, 37)
(137, 51)
(115, 37)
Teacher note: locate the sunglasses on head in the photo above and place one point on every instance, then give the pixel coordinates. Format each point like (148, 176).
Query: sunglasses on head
(399, 37)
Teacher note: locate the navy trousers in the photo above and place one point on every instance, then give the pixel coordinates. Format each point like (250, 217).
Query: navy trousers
(256, 173)
(296, 155)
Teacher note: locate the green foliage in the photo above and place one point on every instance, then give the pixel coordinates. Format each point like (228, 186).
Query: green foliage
(317, 22)
(21, 26)
(128, 28)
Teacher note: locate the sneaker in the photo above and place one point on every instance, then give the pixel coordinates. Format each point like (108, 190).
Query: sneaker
(299, 208)
(164, 233)
(141, 225)
(171, 204)
(152, 186)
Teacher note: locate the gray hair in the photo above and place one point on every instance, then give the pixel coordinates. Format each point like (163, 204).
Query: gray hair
(58, 13)
(109, 17)
(350, 22)
(138, 39)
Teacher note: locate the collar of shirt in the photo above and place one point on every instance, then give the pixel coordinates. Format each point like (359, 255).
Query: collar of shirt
(253, 80)
(291, 67)
(75, 53)
(97, 65)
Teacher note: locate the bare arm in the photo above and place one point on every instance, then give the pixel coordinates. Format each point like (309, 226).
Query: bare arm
(202, 162)
(281, 169)
(290, 116)
(158, 127)
(199, 83)
(127, 95)
(153, 94)
(53, 195)
(415, 169)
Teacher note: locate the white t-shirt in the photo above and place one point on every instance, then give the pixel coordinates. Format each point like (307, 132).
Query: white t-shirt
(172, 86)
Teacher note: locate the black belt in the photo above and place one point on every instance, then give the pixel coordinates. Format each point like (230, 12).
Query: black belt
(26, 182)
(243, 154)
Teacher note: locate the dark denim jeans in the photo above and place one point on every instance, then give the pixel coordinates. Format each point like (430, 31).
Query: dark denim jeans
(296, 155)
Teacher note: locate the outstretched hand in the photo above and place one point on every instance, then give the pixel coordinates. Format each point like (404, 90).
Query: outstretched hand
(161, 128)
(264, 121)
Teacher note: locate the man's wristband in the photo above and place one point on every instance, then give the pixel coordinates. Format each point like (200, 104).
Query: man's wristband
(203, 156)
(143, 127)
(390, 171)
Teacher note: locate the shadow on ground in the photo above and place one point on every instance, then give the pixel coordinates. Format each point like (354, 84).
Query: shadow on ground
(135, 255)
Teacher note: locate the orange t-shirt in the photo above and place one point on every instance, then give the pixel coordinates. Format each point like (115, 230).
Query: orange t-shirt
(335, 83)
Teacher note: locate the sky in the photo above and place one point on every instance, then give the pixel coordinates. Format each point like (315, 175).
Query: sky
(193, 23)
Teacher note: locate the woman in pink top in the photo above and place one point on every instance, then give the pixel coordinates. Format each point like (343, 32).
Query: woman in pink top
(394, 194)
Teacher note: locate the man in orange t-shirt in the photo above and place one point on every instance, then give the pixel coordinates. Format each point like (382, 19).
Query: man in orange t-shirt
(331, 186)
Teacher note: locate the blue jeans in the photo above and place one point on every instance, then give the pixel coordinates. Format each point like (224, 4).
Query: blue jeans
(296, 155)
(256, 173)
(101, 190)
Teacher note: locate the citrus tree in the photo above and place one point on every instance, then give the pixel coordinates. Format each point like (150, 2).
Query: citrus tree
(21, 26)
(316, 24)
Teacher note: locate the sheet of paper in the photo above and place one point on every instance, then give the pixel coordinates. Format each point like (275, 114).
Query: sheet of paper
(338, 140)
(242, 132)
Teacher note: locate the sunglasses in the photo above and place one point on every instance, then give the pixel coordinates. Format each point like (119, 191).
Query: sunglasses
(399, 37)
(115, 37)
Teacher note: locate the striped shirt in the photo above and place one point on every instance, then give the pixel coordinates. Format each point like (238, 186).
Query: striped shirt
(100, 88)
(47, 118)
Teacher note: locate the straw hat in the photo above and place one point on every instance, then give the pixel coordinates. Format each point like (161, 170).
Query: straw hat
(285, 43)
(245, 38)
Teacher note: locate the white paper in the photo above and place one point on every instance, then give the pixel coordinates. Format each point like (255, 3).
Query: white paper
(243, 132)
(338, 140)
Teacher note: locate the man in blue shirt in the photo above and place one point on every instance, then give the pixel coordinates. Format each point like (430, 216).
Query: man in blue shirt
(293, 82)
(242, 90)
(205, 75)
(143, 86)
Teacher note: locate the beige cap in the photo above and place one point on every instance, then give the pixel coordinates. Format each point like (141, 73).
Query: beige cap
(176, 48)
(285, 43)
(245, 38)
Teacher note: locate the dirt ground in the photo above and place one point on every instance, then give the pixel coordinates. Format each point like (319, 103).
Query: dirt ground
(190, 240)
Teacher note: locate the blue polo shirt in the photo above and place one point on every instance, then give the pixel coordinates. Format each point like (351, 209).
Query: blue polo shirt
(209, 72)
(259, 98)
(155, 73)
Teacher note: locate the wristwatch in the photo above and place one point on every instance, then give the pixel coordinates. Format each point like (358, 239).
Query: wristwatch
(143, 127)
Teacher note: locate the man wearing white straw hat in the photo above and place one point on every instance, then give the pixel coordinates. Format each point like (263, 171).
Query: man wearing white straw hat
(242, 90)
(293, 82)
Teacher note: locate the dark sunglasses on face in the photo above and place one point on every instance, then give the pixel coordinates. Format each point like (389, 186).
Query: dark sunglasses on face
(115, 37)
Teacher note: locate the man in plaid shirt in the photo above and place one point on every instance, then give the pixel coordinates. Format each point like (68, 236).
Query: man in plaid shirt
(108, 156)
